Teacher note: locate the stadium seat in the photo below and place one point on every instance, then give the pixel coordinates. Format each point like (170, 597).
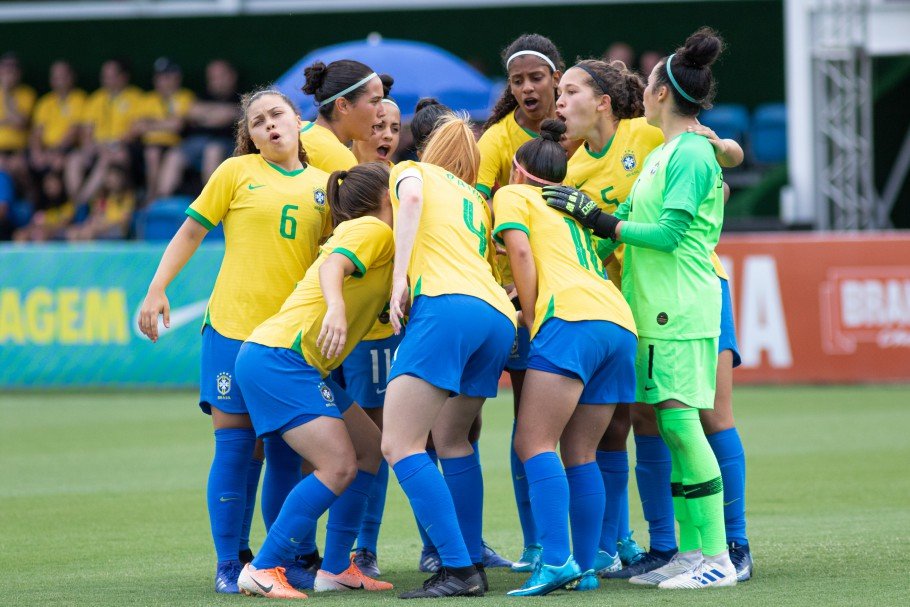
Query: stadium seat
(162, 218)
(728, 120)
(768, 134)
(21, 212)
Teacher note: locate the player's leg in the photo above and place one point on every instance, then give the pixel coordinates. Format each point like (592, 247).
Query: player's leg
(613, 463)
(252, 487)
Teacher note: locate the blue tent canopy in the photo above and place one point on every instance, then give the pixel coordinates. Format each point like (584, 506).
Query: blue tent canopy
(419, 69)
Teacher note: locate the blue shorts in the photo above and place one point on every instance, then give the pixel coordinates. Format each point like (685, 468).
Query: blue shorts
(727, 339)
(456, 342)
(364, 374)
(283, 391)
(518, 357)
(599, 353)
(217, 385)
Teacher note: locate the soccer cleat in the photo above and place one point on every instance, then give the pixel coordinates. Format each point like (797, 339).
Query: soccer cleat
(481, 571)
(366, 561)
(588, 581)
(245, 556)
(629, 550)
(547, 578)
(429, 560)
(605, 563)
(492, 559)
(298, 576)
(444, 584)
(649, 561)
(311, 561)
(270, 583)
(741, 557)
(706, 574)
(529, 558)
(680, 563)
(349, 579)
(226, 577)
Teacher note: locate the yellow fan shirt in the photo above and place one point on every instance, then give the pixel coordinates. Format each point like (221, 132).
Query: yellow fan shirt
(16, 137)
(112, 116)
(56, 116)
(156, 107)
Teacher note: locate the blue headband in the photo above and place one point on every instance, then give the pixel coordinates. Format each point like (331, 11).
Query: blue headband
(353, 87)
(676, 84)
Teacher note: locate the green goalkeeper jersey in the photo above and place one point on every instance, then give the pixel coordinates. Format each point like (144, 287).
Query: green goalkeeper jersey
(676, 294)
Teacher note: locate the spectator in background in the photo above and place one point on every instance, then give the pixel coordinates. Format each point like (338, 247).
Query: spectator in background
(647, 62)
(16, 103)
(110, 211)
(209, 134)
(620, 51)
(7, 195)
(108, 131)
(53, 212)
(162, 121)
(58, 115)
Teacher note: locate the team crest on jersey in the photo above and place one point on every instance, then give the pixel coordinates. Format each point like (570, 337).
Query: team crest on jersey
(223, 384)
(319, 198)
(628, 161)
(327, 394)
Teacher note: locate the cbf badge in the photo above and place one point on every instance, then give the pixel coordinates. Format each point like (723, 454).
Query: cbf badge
(319, 198)
(628, 161)
(223, 384)
(327, 395)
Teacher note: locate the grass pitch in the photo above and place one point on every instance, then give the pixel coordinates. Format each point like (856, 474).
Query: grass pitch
(102, 503)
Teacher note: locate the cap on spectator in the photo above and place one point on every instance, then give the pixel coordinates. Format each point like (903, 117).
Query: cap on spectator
(164, 65)
(9, 56)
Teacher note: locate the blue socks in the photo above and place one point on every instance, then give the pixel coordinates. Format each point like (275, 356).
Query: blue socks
(652, 470)
(227, 489)
(252, 486)
(522, 500)
(464, 478)
(728, 449)
(282, 473)
(302, 508)
(549, 491)
(433, 506)
(345, 517)
(427, 542)
(614, 471)
(586, 511)
(372, 518)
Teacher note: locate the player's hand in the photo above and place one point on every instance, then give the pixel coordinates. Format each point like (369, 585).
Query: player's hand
(155, 304)
(577, 204)
(334, 332)
(398, 303)
(720, 146)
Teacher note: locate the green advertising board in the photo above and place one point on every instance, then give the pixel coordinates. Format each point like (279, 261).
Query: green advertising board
(68, 316)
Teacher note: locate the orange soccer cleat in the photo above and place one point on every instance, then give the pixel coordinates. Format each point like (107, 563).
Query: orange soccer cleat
(349, 579)
(270, 583)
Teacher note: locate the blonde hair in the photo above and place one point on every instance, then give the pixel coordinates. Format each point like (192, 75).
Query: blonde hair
(452, 147)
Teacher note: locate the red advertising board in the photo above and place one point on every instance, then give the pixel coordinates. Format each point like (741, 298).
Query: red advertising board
(820, 308)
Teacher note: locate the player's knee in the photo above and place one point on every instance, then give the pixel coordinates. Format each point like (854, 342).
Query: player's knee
(340, 474)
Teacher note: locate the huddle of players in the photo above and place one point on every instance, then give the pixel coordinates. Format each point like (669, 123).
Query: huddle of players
(272, 346)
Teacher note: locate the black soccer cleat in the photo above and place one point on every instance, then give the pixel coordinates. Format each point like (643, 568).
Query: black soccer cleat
(446, 584)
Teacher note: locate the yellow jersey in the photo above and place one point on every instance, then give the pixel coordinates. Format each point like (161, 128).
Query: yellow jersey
(273, 221)
(114, 207)
(571, 281)
(16, 137)
(382, 328)
(453, 253)
(323, 150)
(369, 243)
(112, 116)
(497, 146)
(156, 107)
(56, 116)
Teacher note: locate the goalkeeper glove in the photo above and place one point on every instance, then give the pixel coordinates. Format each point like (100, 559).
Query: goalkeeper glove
(576, 204)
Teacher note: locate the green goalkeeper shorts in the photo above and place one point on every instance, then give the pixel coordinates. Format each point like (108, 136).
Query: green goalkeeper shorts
(683, 370)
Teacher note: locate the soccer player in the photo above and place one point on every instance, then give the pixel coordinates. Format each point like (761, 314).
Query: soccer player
(443, 265)
(534, 66)
(349, 95)
(582, 362)
(383, 142)
(672, 221)
(283, 368)
(273, 206)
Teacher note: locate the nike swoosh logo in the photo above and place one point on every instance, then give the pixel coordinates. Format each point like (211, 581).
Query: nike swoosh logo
(294, 540)
(378, 391)
(228, 499)
(351, 587)
(578, 185)
(728, 503)
(179, 317)
(518, 478)
(264, 588)
(647, 388)
(255, 187)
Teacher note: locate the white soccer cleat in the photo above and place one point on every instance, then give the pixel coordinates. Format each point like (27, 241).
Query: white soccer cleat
(680, 563)
(707, 574)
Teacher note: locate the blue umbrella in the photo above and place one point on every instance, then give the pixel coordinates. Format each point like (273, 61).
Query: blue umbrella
(419, 69)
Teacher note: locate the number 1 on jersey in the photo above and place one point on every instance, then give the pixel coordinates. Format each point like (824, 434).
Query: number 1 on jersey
(479, 232)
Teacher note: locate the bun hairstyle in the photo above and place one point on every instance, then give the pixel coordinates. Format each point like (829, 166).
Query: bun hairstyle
(544, 157)
(325, 81)
(243, 142)
(452, 146)
(356, 192)
(625, 88)
(426, 115)
(526, 42)
(690, 67)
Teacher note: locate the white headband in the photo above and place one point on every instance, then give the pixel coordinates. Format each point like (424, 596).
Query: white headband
(390, 102)
(536, 54)
(353, 87)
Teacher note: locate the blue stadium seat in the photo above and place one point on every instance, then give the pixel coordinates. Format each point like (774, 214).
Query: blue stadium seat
(162, 218)
(768, 133)
(21, 212)
(728, 120)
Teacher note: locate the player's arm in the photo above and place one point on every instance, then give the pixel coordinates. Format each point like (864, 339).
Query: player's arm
(524, 271)
(410, 196)
(728, 152)
(178, 252)
(334, 332)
